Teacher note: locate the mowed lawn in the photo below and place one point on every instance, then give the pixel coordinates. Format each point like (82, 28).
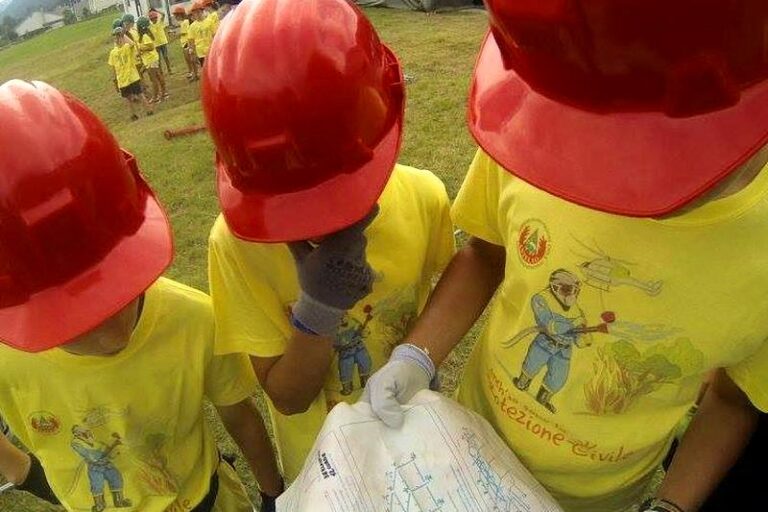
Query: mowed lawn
(437, 52)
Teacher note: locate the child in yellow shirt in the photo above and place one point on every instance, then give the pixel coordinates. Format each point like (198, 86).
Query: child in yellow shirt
(618, 213)
(182, 18)
(199, 37)
(125, 76)
(150, 58)
(159, 30)
(326, 246)
(105, 365)
(129, 28)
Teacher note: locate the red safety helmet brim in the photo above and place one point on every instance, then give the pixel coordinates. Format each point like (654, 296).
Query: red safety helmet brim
(642, 164)
(57, 315)
(325, 208)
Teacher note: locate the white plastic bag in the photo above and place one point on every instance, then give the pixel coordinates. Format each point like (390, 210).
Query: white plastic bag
(444, 459)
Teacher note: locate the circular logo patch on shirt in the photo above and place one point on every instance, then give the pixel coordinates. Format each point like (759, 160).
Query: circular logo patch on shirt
(45, 423)
(533, 242)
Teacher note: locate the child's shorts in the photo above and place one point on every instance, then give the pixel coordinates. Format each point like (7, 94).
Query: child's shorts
(133, 89)
(154, 65)
(201, 60)
(163, 50)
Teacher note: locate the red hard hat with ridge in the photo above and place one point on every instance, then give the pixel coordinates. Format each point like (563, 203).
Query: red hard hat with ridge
(305, 106)
(81, 233)
(633, 107)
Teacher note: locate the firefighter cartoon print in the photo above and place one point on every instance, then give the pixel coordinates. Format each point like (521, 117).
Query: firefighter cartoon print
(560, 326)
(97, 457)
(352, 352)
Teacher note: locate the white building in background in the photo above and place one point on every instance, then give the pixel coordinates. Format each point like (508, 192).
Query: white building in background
(142, 7)
(38, 22)
(96, 6)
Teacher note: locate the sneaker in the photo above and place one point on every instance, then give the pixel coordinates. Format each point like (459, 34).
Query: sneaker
(150, 113)
(134, 117)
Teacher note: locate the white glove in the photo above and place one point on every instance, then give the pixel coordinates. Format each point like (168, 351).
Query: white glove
(408, 371)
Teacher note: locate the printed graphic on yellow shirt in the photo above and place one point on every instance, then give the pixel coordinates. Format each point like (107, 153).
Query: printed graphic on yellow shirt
(604, 273)
(533, 242)
(352, 353)
(154, 471)
(623, 371)
(102, 453)
(561, 326)
(389, 319)
(45, 423)
(99, 468)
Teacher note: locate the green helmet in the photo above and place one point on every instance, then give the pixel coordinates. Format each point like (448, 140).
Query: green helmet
(128, 18)
(118, 23)
(142, 23)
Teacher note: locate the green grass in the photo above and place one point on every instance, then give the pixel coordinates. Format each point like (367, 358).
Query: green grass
(437, 51)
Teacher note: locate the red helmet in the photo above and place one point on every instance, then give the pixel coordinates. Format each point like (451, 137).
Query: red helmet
(196, 5)
(305, 106)
(81, 234)
(178, 10)
(633, 107)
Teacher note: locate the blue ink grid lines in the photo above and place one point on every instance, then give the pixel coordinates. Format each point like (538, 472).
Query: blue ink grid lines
(409, 490)
(443, 459)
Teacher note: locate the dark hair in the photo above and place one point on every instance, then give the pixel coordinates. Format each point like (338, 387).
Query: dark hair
(146, 31)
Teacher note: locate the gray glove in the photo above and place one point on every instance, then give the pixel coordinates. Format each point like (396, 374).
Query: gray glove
(408, 371)
(334, 276)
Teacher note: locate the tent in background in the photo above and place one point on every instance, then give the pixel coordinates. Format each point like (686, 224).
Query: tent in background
(420, 5)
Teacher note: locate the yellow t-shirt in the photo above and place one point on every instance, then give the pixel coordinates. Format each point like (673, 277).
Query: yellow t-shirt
(134, 36)
(213, 22)
(184, 32)
(158, 30)
(123, 60)
(254, 287)
(133, 421)
(600, 334)
(148, 51)
(198, 32)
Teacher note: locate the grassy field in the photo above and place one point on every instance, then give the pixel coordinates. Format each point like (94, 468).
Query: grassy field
(437, 52)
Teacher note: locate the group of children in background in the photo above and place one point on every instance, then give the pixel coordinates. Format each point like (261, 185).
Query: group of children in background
(141, 48)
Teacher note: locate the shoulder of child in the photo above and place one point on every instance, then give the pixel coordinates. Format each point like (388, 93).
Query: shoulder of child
(423, 179)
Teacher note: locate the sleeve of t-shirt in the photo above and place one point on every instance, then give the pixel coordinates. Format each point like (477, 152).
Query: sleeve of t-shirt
(111, 59)
(476, 209)
(229, 379)
(751, 376)
(249, 315)
(442, 244)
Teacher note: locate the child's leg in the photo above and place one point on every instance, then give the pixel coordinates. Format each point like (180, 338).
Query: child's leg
(161, 79)
(154, 77)
(133, 105)
(147, 105)
(164, 54)
(191, 62)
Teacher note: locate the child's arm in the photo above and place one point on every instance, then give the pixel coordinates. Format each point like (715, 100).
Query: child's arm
(24, 471)
(146, 47)
(244, 424)
(716, 437)
(14, 463)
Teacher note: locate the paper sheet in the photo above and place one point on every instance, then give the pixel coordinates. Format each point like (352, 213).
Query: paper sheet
(444, 459)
